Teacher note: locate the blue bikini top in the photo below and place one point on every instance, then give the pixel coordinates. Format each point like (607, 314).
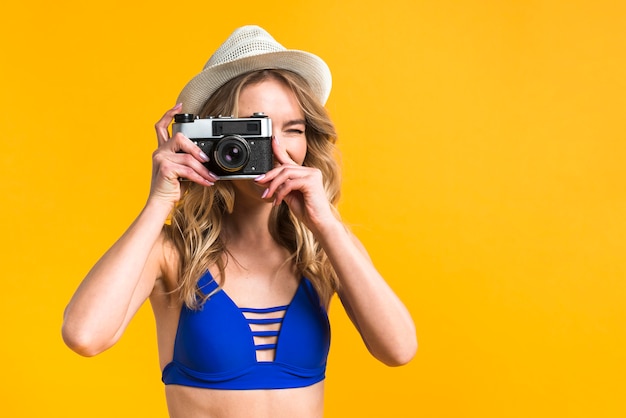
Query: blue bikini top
(216, 346)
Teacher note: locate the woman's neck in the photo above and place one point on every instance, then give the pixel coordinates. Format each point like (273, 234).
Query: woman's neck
(249, 221)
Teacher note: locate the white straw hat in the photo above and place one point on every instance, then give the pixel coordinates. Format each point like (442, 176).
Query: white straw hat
(251, 48)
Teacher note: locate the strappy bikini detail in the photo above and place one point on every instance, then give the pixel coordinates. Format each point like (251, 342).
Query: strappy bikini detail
(265, 328)
(222, 346)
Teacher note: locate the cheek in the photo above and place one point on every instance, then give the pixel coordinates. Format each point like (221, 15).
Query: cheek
(301, 153)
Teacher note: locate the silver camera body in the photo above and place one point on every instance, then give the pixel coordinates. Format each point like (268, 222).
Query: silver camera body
(238, 148)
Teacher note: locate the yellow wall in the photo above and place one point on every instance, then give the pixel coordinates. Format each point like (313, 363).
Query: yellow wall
(485, 169)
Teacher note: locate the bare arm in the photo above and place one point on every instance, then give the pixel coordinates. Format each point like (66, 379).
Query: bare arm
(116, 286)
(124, 277)
(381, 318)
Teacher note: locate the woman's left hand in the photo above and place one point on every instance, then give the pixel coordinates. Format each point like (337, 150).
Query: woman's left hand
(301, 188)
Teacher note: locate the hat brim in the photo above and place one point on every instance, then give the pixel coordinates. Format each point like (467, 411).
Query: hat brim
(312, 68)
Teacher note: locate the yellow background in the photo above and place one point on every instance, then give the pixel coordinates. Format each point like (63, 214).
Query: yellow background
(484, 164)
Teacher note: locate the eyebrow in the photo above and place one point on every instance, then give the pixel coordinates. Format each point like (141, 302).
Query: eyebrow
(295, 122)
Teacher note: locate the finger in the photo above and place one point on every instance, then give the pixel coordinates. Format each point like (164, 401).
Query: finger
(286, 188)
(180, 143)
(186, 174)
(175, 166)
(163, 124)
(191, 161)
(279, 176)
(281, 154)
(181, 150)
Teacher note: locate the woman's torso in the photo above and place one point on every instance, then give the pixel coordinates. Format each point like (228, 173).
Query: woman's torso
(269, 284)
(190, 402)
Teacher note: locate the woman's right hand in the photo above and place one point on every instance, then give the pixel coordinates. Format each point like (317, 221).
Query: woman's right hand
(176, 158)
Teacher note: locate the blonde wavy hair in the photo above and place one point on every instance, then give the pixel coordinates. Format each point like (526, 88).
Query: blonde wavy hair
(196, 221)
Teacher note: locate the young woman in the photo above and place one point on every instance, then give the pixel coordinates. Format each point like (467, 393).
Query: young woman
(240, 273)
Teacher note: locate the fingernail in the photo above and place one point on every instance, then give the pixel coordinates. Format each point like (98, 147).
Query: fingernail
(215, 176)
(264, 195)
(276, 139)
(203, 156)
(261, 177)
(178, 105)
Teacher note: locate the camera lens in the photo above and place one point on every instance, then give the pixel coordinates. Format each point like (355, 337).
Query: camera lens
(232, 153)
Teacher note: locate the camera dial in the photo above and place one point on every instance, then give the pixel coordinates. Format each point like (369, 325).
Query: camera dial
(184, 117)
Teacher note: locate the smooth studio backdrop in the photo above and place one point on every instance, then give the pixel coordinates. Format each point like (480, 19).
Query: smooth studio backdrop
(484, 155)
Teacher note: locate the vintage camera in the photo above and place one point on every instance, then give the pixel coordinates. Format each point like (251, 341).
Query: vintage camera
(238, 148)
